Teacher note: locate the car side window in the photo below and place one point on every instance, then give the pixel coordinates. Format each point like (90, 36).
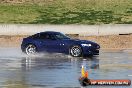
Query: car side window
(44, 36)
(36, 36)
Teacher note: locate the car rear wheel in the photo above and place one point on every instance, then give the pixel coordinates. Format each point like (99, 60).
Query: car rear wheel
(30, 49)
(76, 51)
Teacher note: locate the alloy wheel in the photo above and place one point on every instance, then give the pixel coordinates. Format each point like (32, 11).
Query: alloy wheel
(30, 49)
(76, 51)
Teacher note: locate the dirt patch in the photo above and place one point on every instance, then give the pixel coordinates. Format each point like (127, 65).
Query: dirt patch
(11, 41)
(112, 41)
(106, 42)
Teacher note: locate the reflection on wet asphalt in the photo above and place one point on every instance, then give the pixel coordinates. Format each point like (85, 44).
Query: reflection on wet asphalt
(18, 70)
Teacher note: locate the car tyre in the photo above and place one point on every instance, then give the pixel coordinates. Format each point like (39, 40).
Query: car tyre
(76, 51)
(30, 49)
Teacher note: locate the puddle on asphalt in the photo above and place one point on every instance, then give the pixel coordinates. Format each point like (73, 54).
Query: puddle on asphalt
(57, 70)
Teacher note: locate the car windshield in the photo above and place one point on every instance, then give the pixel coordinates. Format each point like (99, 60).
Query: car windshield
(61, 36)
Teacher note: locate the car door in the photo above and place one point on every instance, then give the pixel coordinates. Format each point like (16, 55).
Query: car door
(49, 44)
(64, 46)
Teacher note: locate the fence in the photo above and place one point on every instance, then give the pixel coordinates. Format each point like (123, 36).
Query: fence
(29, 29)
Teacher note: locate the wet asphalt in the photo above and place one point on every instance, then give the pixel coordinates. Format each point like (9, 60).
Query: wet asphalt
(18, 70)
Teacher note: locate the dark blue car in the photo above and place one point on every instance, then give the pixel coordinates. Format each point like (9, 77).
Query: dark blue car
(56, 42)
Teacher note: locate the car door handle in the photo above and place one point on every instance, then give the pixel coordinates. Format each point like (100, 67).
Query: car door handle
(62, 44)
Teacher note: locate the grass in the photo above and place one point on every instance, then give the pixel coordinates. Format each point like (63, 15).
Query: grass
(67, 12)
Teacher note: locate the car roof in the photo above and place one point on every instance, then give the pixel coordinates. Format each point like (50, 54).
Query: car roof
(50, 32)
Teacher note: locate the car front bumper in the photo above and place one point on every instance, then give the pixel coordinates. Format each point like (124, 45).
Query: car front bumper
(91, 50)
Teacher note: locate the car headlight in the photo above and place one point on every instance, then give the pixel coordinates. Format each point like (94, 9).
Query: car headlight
(86, 44)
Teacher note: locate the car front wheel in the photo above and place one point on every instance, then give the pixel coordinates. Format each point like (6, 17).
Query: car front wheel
(76, 51)
(30, 49)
